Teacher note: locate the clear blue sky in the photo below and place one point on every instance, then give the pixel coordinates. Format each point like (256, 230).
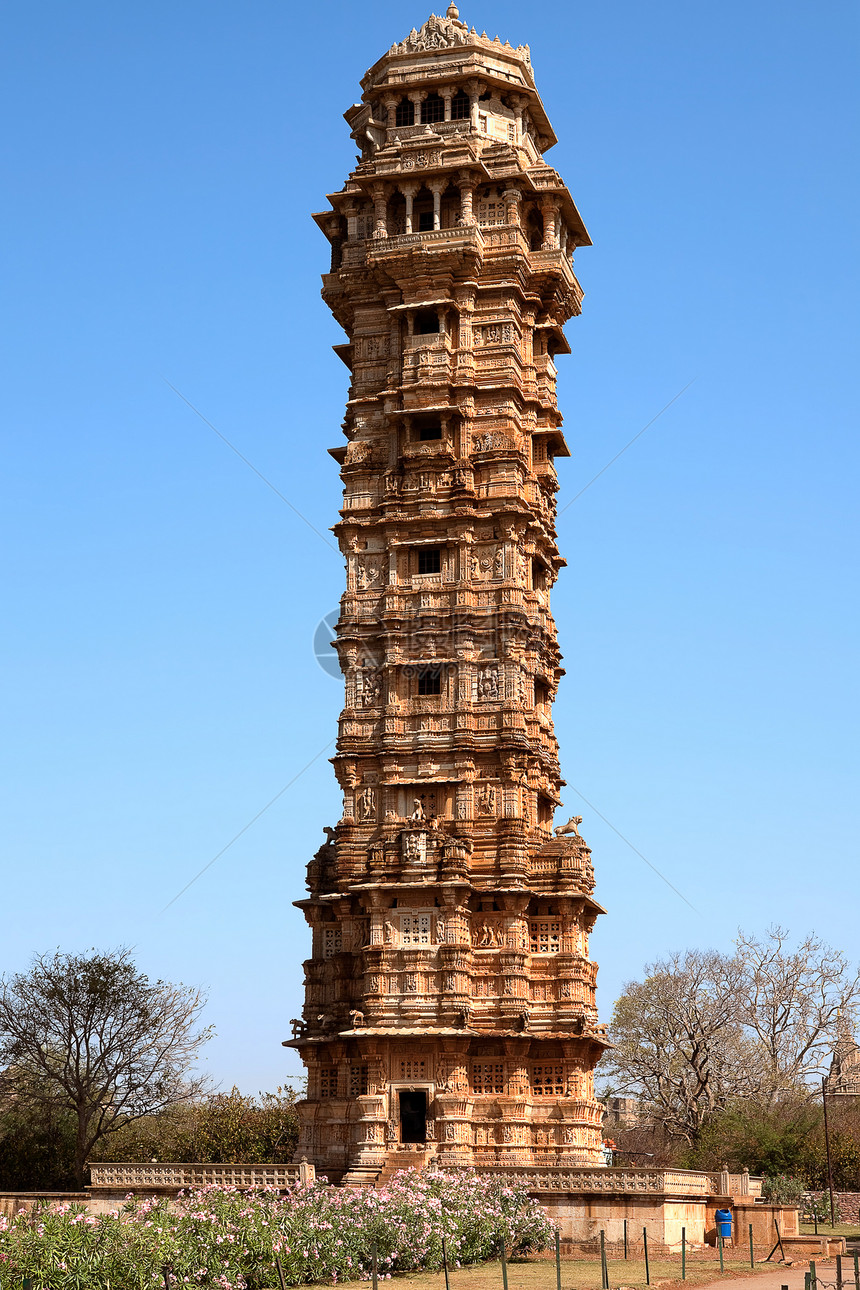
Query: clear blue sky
(160, 163)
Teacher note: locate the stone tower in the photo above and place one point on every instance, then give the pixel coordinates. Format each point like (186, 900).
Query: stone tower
(450, 1001)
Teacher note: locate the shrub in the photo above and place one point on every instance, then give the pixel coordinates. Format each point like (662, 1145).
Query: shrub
(782, 1189)
(226, 1239)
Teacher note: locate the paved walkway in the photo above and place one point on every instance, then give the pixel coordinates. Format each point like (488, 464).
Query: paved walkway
(791, 1277)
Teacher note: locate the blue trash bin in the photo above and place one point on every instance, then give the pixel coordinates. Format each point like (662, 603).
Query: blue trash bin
(723, 1219)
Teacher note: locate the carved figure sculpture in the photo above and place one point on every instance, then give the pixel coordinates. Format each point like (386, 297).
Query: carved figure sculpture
(487, 799)
(570, 827)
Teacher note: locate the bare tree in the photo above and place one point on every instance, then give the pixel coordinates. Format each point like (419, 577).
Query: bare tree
(678, 1042)
(95, 1036)
(791, 1004)
(704, 1030)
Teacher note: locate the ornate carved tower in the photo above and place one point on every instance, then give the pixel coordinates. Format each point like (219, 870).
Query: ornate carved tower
(450, 1001)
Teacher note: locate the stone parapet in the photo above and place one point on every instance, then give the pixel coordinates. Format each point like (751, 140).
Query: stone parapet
(170, 1177)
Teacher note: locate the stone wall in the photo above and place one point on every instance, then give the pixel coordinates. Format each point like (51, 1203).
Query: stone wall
(847, 1204)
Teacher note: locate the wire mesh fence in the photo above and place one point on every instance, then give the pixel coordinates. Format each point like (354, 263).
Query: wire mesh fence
(636, 1260)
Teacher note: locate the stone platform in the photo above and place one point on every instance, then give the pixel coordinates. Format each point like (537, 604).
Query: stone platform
(584, 1202)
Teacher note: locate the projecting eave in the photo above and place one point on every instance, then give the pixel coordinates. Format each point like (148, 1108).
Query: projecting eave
(322, 218)
(562, 344)
(444, 1032)
(554, 439)
(575, 221)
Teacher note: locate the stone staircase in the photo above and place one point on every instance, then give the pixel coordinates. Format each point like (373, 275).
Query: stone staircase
(417, 1158)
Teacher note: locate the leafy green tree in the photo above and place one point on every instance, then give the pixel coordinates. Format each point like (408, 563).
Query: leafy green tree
(37, 1144)
(223, 1128)
(91, 1036)
(772, 1140)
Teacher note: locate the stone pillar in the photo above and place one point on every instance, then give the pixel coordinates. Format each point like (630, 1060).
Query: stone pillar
(549, 206)
(333, 232)
(474, 89)
(377, 921)
(437, 187)
(390, 104)
(513, 198)
(380, 210)
(519, 101)
(352, 222)
(446, 93)
(409, 191)
(417, 97)
(467, 189)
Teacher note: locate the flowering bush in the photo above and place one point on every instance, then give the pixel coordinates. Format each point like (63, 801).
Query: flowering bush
(223, 1238)
(782, 1189)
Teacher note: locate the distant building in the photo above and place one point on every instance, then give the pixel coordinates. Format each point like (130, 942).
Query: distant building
(844, 1077)
(622, 1113)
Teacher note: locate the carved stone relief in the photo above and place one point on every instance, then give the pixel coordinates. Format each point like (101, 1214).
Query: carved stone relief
(486, 799)
(488, 682)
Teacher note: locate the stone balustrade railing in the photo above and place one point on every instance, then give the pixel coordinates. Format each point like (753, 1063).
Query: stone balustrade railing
(675, 1182)
(170, 1176)
(460, 233)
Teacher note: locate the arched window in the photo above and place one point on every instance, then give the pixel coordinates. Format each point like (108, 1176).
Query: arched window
(405, 114)
(432, 109)
(460, 106)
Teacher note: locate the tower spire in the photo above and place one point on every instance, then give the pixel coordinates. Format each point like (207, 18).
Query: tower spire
(450, 1000)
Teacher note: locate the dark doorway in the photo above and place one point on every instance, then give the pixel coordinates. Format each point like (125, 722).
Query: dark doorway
(413, 1117)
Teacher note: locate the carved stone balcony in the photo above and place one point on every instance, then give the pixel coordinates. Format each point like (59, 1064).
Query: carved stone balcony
(462, 237)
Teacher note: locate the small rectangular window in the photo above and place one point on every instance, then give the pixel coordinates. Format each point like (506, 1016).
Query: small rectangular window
(430, 680)
(405, 114)
(357, 1080)
(548, 1080)
(328, 1081)
(512, 133)
(544, 936)
(415, 929)
(488, 1077)
(427, 320)
(433, 108)
(460, 107)
(425, 221)
(430, 559)
(491, 212)
(332, 942)
(412, 1070)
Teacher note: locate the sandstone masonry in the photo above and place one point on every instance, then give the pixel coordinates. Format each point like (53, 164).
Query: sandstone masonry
(450, 1000)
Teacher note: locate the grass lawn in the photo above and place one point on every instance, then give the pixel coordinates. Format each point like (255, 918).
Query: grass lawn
(824, 1229)
(576, 1274)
